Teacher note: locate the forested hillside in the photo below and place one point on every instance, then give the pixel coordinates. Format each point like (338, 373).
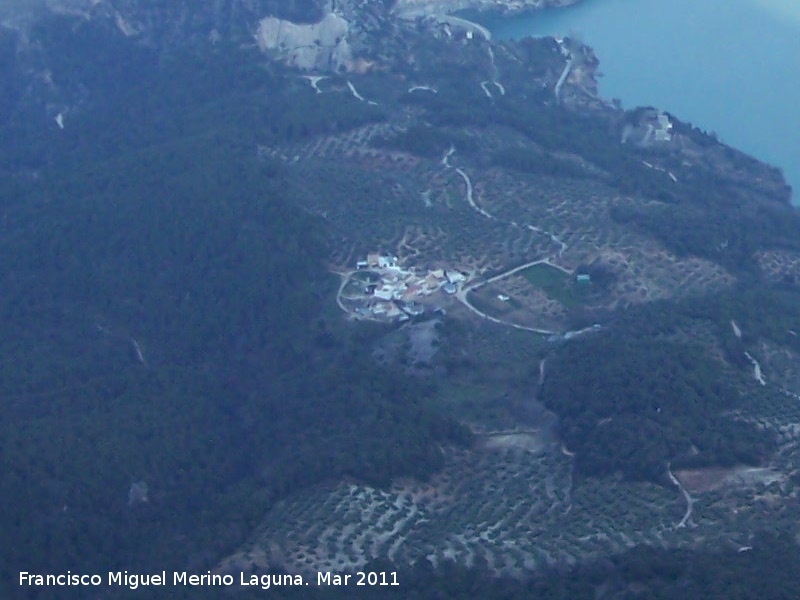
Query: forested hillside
(587, 387)
(167, 320)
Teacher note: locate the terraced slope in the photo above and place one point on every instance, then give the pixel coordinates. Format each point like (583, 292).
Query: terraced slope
(509, 504)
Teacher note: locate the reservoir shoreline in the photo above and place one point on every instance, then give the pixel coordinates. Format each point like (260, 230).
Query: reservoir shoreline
(726, 66)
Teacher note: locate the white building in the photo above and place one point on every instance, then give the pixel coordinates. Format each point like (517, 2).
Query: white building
(455, 276)
(663, 132)
(384, 293)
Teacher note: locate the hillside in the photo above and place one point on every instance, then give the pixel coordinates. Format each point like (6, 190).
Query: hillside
(427, 304)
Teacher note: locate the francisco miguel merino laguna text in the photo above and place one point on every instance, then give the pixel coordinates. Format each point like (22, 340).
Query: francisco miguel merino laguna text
(136, 580)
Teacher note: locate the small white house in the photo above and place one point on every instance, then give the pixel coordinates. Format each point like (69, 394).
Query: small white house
(455, 276)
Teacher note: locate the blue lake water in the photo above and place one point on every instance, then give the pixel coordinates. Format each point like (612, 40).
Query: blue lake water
(727, 66)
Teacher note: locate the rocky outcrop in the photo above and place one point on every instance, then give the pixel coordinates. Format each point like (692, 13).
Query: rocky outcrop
(165, 24)
(320, 46)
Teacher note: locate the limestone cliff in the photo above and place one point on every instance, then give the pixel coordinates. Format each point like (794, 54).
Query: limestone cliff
(319, 46)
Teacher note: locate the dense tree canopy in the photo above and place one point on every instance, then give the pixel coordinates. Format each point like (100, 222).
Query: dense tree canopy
(635, 405)
(166, 310)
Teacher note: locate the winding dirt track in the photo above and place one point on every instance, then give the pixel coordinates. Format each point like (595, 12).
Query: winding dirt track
(461, 295)
(686, 495)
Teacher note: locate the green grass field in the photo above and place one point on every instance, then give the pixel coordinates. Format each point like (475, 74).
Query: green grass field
(556, 284)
